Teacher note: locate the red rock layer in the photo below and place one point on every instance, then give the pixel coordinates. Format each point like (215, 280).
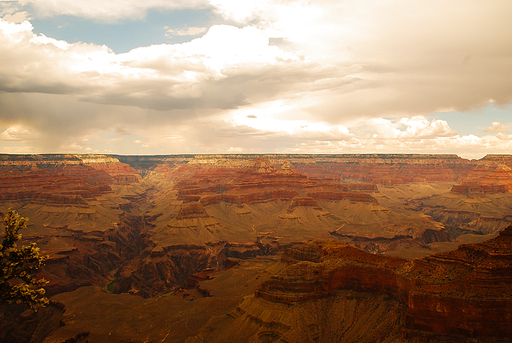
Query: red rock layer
(260, 181)
(121, 174)
(485, 179)
(246, 198)
(302, 201)
(466, 291)
(60, 179)
(40, 186)
(387, 168)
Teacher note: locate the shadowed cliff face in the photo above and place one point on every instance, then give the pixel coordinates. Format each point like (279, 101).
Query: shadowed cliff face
(321, 291)
(465, 292)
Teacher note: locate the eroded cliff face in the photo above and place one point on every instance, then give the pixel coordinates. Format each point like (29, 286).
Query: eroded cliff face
(479, 201)
(464, 292)
(102, 223)
(75, 208)
(141, 227)
(264, 199)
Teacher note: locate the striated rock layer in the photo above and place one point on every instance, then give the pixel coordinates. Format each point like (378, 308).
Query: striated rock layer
(464, 292)
(61, 180)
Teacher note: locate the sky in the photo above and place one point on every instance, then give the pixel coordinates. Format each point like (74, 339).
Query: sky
(159, 77)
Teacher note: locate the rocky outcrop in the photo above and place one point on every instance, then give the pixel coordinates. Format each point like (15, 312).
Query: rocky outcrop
(192, 210)
(464, 292)
(61, 180)
(489, 178)
(21, 325)
(303, 201)
(379, 245)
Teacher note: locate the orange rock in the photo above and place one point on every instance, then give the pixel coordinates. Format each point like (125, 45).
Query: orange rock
(466, 291)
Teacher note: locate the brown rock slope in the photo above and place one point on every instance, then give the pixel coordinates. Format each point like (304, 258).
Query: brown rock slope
(463, 293)
(74, 205)
(479, 202)
(261, 199)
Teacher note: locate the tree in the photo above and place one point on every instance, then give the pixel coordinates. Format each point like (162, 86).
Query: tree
(18, 284)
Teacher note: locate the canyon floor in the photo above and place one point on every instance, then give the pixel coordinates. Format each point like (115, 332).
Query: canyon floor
(191, 248)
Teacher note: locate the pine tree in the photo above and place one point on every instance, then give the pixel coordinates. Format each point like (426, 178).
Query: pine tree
(18, 284)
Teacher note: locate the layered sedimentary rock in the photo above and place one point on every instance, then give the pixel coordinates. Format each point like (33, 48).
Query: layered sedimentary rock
(394, 169)
(61, 179)
(74, 212)
(240, 199)
(143, 224)
(463, 292)
(262, 194)
(485, 179)
(259, 203)
(478, 202)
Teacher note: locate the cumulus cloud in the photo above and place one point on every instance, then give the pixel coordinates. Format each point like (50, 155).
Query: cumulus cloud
(498, 127)
(226, 68)
(17, 17)
(213, 136)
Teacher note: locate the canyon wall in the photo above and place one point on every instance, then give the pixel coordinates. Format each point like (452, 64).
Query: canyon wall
(464, 292)
(143, 225)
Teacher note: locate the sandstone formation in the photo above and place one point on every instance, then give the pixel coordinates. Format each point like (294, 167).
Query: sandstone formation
(485, 179)
(464, 292)
(79, 206)
(143, 226)
(260, 195)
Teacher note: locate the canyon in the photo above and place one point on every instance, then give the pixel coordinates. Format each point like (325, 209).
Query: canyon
(264, 248)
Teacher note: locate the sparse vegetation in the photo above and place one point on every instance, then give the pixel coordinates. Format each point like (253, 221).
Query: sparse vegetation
(18, 283)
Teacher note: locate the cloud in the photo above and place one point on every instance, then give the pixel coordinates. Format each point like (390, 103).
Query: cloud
(396, 63)
(109, 10)
(17, 17)
(17, 134)
(342, 77)
(189, 31)
(226, 68)
(503, 136)
(409, 54)
(498, 127)
(244, 11)
(123, 131)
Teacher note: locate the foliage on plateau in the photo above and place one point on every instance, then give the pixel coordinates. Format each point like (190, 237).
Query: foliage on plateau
(18, 282)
